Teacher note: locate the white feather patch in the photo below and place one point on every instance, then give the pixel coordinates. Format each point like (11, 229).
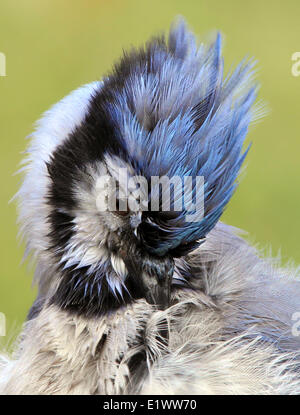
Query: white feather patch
(119, 266)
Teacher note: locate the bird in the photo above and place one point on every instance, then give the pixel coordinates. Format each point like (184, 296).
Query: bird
(142, 298)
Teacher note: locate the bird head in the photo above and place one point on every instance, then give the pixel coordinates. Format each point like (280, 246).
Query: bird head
(127, 174)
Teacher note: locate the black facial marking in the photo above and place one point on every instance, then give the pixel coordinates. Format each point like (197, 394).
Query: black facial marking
(61, 230)
(88, 294)
(88, 143)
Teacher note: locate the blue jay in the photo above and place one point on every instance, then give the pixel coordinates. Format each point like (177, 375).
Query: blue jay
(143, 300)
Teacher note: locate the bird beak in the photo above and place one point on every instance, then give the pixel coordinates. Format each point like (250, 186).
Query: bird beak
(152, 276)
(157, 279)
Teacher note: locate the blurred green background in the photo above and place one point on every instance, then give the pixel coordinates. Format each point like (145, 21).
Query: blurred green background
(52, 47)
